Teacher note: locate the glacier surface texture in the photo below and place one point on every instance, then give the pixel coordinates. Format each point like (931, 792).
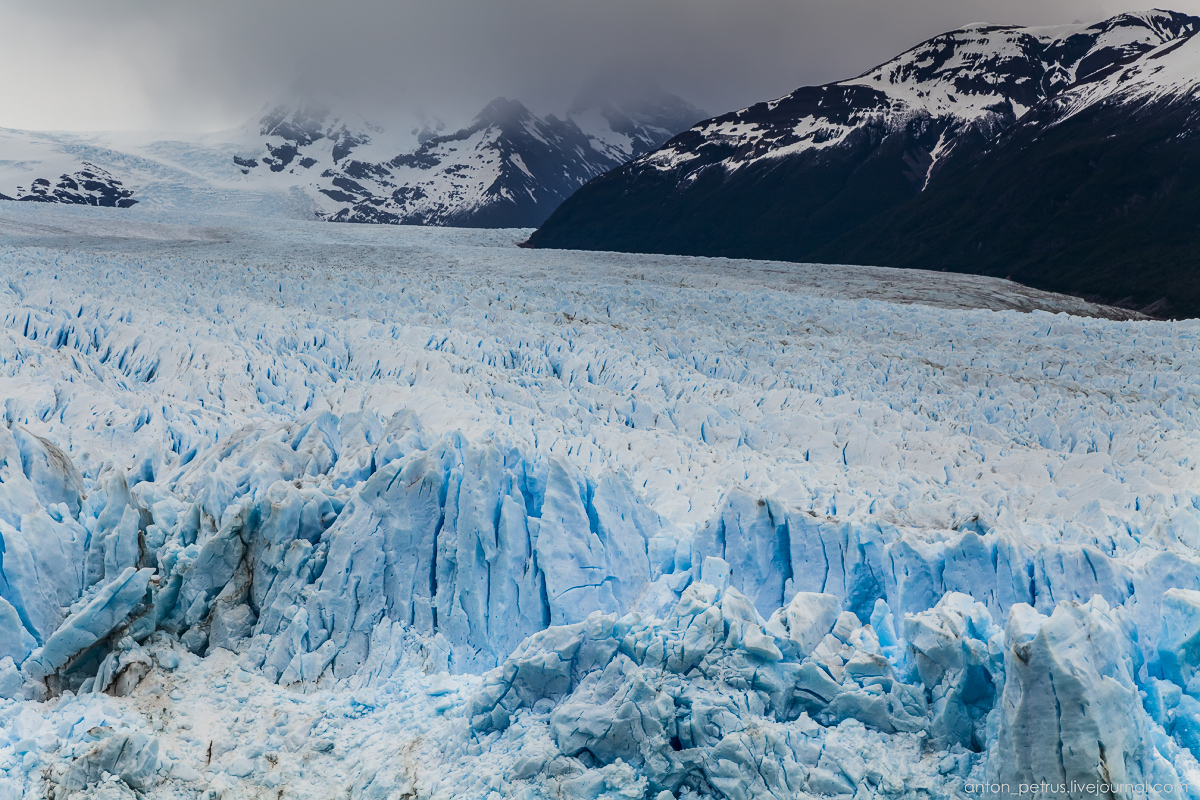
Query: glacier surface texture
(304, 511)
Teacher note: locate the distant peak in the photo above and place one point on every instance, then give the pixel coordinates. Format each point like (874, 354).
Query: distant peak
(634, 97)
(503, 111)
(302, 123)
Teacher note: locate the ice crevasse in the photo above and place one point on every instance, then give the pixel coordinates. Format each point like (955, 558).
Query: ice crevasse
(291, 530)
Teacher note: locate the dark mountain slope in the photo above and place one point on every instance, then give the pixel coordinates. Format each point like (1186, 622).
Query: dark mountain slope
(1105, 204)
(715, 213)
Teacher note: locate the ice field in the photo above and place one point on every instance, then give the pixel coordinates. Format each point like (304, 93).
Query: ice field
(293, 509)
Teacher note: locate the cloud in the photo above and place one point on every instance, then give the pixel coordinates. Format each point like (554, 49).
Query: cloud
(192, 65)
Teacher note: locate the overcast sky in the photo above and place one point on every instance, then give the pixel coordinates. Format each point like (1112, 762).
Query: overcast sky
(211, 64)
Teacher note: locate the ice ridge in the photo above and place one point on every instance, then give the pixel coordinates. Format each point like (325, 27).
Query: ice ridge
(695, 660)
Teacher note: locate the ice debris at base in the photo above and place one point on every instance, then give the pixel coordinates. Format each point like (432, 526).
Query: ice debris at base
(384, 514)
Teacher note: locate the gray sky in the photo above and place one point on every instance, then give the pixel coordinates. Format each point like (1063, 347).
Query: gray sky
(211, 64)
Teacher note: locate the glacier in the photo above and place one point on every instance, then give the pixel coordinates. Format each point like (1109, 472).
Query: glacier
(292, 510)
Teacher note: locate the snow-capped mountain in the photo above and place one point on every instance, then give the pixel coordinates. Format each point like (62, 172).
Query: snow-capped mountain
(507, 168)
(858, 171)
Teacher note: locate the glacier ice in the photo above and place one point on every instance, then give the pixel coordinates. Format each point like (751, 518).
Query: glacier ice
(81, 631)
(1179, 638)
(1069, 711)
(295, 511)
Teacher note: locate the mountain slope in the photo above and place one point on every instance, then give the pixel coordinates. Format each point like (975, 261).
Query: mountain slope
(865, 170)
(1093, 205)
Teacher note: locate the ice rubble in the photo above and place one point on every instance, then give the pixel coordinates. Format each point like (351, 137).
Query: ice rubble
(473, 531)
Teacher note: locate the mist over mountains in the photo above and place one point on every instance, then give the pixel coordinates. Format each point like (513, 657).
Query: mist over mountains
(142, 65)
(507, 167)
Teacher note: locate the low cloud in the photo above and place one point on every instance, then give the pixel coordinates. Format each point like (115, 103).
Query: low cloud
(206, 65)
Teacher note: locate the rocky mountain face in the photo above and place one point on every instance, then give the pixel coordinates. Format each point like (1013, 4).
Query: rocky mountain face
(1062, 157)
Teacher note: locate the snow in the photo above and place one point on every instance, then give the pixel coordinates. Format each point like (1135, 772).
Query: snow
(466, 170)
(1168, 73)
(980, 53)
(976, 52)
(179, 171)
(293, 509)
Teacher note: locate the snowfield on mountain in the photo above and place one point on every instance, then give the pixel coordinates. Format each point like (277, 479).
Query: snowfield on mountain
(290, 509)
(301, 159)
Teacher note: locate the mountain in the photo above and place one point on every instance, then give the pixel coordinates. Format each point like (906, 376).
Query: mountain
(507, 168)
(1062, 157)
